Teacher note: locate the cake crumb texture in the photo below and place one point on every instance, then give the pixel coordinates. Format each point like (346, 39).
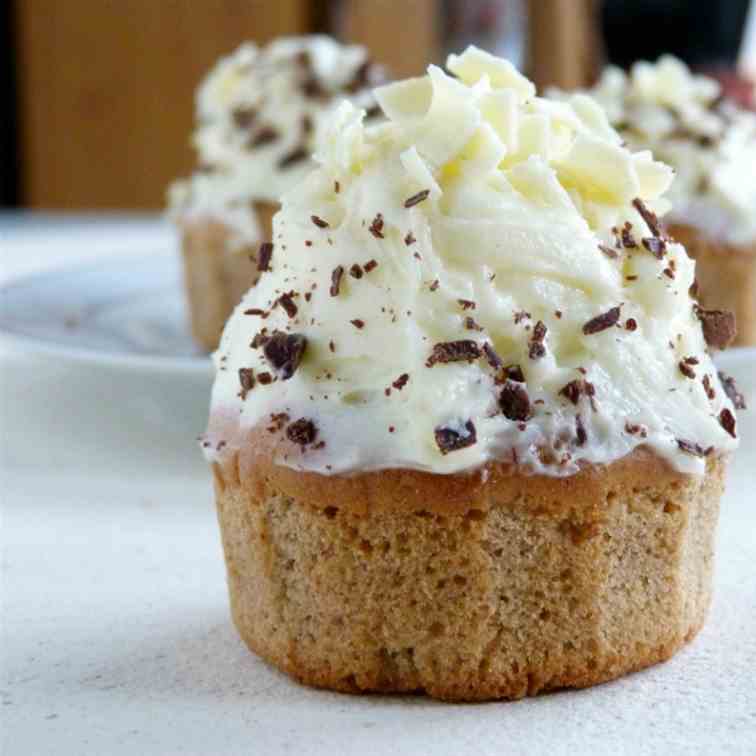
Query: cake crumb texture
(550, 583)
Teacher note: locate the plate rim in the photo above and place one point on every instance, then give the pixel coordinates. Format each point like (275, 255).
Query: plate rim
(137, 362)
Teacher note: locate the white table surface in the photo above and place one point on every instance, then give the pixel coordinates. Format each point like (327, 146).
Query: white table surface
(116, 633)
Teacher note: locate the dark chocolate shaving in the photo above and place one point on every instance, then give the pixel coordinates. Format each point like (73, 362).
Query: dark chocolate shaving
(376, 226)
(449, 440)
(471, 325)
(297, 155)
(727, 421)
(266, 135)
(731, 389)
(628, 240)
(536, 350)
(287, 302)
(657, 247)
(514, 401)
(409, 239)
(631, 324)
(355, 271)
(370, 265)
(602, 322)
(693, 448)
(284, 352)
(302, 431)
(416, 199)
(718, 327)
(336, 276)
(466, 304)
(264, 256)
(318, 221)
(514, 373)
(464, 350)
(650, 217)
(243, 117)
(609, 252)
(401, 381)
(492, 358)
(686, 370)
(247, 381)
(358, 323)
(582, 435)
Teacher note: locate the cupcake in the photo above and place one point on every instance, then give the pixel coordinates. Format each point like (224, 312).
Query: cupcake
(466, 433)
(711, 143)
(258, 113)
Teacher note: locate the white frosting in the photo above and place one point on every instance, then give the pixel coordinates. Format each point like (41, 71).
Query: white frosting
(711, 144)
(278, 96)
(522, 191)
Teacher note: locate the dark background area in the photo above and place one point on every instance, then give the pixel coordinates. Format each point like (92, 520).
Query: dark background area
(97, 97)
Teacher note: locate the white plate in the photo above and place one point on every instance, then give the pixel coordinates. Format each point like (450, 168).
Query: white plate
(128, 313)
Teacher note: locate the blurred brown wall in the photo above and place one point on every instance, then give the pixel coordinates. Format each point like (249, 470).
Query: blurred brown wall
(106, 90)
(106, 87)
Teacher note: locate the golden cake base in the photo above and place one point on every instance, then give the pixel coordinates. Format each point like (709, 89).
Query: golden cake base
(468, 588)
(726, 278)
(215, 276)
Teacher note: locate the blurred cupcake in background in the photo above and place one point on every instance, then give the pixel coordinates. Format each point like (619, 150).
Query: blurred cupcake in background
(710, 140)
(259, 111)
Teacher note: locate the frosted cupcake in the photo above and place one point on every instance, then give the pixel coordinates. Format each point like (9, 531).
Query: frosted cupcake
(711, 143)
(258, 113)
(466, 432)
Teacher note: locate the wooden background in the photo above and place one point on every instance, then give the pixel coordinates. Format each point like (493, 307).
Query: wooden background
(105, 87)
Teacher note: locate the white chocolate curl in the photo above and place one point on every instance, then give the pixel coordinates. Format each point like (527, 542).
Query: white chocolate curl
(484, 209)
(711, 144)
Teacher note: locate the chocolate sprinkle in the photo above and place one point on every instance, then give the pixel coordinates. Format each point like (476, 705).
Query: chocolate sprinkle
(537, 349)
(264, 256)
(466, 304)
(243, 117)
(416, 199)
(302, 432)
(464, 350)
(286, 301)
(514, 373)
(358, 324)
(492, 358)
(254, 311)
(708, 388)
(572, 391)
(434, 285)
(731, 389)
(608, 251)
(692, 448)
(355, 271)
(628, 240)
(514, 401)
(265, 378)
(650, 217)
(319, 222)
(401, 381)
(686, 370)
(376, 227)
(294, 156)
(582, 436)
(449, 440)
(727, 421)
(266, 135)
(718, 327)
(657, 247)
(631, 324)
(471, 325)
(370, 265)
(409, 239)
(284, 351)
(336, 275)
(246, 380)
(602, 322)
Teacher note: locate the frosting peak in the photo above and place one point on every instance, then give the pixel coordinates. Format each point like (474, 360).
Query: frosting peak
(482, 277)
(710, 142)
(259, 112)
